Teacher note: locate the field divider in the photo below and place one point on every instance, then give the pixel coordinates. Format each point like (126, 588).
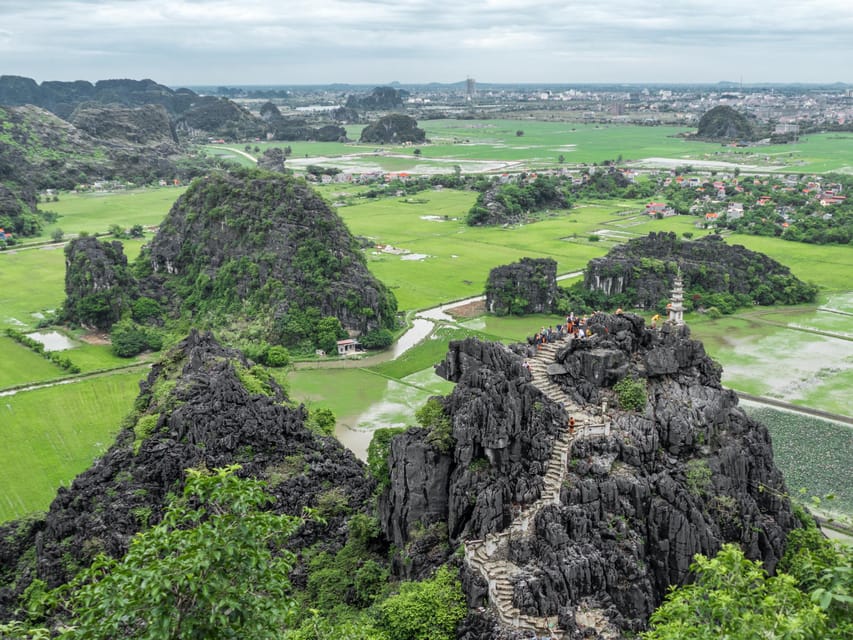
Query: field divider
(28, 386)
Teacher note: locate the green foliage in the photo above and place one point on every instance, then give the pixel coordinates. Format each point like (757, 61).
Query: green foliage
(205, 571)
(256, 379)
(377, 455)
(631, 393)
(20, 631)
(431, 416)
(698, 476)
(823, 569)
(129, 339)
(143, 428)
(733, 598)
(144, 309)
(426, 610)
(277, 356)
(321, 421)
(376, 339)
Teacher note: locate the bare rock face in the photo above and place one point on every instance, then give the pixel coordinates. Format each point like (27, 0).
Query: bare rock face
(145, 125)
(685, 474)
(194, 410)
(526, 286)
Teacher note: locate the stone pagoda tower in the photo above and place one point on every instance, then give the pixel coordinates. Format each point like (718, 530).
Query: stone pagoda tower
(676, 306)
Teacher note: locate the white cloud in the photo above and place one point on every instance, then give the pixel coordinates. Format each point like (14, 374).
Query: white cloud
(304, 41)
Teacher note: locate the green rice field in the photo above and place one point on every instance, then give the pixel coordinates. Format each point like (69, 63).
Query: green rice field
(50, 435)
(492, 145)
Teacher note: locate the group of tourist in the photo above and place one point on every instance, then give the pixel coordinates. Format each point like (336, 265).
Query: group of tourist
(574, 327)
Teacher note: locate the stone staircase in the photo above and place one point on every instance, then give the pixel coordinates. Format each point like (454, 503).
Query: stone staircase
(490, 557)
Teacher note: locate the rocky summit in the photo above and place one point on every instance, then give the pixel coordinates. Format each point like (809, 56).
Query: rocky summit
(581, 531)
(202, 406)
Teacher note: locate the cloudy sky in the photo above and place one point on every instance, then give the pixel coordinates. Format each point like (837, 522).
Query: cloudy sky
(194, 42)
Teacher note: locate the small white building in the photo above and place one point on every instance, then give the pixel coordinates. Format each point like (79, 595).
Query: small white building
(347, 347)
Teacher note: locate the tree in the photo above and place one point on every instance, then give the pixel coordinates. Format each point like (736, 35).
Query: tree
(136, 231)
(57, 235)
(519, 133)
(733, 598)
(206, 571)
(426, 610)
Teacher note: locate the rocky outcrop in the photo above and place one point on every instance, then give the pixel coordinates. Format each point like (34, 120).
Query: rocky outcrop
(685, 474)
(194, 410)
(380, 99)
(146, 125)
(99, 287)
(393, 129)
(526, 286)
(62, 98)
(219, 117)
(263, 247)
(641, 272)
(724, 123)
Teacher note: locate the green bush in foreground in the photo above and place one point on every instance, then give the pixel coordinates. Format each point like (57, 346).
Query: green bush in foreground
(205, 571)
(426, 610)
(733, 598)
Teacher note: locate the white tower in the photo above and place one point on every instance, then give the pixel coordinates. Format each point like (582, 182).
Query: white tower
(676, 306)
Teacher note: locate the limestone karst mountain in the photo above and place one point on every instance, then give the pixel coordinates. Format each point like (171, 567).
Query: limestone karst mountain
(263, 252)
(641, 272)
(202, 405)
(584, 531)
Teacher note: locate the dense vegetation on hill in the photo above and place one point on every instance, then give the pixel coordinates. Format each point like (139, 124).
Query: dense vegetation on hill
(716, 275)
(258, 255)
(393, 129)
(510, 201)
(40, 151)
(724, 123)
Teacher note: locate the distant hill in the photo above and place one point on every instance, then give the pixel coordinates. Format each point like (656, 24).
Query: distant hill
(380, 99)
(62, 98)
(39, 150)
(724, 123)
(393, 129)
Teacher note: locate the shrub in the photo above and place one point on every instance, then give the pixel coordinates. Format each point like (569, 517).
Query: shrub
(431, 416)
(426, 610)
(276, 356)
(698, 475)
(376, 339)
(377, 455)
(631, 393)
(321, 422)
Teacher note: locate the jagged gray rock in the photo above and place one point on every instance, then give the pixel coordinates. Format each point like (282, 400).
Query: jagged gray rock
(526, 286)
(199, 414)
(684, 475)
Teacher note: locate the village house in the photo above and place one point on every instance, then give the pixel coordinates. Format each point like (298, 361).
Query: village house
(734, 210)
(347, 347)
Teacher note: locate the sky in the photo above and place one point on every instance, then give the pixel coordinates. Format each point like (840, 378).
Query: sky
(269, 42)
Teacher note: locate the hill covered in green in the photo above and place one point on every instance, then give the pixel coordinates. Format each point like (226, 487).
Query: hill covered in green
(259, 256)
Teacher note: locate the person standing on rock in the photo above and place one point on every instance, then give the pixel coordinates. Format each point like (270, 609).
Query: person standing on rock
(572, 425)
